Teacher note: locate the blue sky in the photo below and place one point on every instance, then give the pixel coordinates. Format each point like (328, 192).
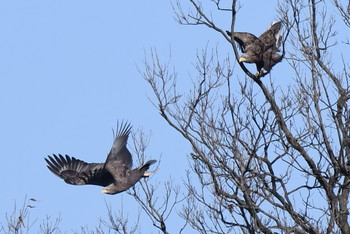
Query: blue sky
(68, 73)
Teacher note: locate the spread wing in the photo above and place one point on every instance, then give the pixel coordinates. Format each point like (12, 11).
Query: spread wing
(78, 172)
(272, 42)
(119, 158)
(272, 36)
(244, 39)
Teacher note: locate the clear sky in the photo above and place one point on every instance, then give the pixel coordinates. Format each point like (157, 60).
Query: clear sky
(68, 73)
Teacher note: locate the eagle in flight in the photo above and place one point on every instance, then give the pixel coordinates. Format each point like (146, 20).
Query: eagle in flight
(115, 175)
(262, 50)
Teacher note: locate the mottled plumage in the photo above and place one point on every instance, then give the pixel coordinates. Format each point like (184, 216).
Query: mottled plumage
(115, 174)
(262, 50)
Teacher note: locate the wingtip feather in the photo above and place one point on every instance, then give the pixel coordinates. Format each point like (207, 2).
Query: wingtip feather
(123, 129)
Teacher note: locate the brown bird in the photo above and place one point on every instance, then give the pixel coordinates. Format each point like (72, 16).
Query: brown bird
(115, 175)
(262, 50)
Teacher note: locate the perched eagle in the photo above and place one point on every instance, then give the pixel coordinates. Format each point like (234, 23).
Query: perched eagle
(262, 50)
(115, 175)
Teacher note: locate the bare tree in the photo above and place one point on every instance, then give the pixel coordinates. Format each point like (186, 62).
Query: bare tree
(267, 158)
(157, 207)
(19, 221)
(118, 223)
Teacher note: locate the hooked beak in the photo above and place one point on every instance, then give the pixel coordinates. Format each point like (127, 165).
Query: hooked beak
(104, 191)
(147, 174)
(241, 59)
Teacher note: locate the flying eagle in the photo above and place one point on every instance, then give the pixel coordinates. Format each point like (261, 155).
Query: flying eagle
(262, 50)
(115, 175)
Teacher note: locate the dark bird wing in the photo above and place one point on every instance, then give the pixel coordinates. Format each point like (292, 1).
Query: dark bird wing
(119, 158)
(270, 59)
(272, 42)
(244, 39)
(272, 36)
(78, 172)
